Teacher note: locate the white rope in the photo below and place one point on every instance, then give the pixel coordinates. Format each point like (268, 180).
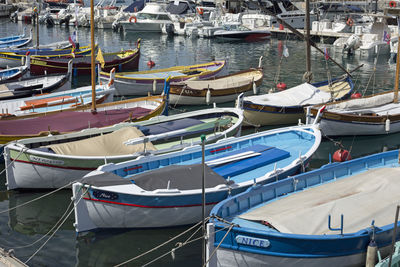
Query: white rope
(35, 199)
(22, 150)
(61, 218)
(222, 240)
(159, 246)
(63, 221)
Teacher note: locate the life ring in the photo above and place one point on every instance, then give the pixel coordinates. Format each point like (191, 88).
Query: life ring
(350, 22)
(392, 4)
(134, 18)
(200, 11)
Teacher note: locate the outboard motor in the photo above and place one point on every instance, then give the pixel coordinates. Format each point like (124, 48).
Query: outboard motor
(14, 16)
(170, 29)
(352, 43)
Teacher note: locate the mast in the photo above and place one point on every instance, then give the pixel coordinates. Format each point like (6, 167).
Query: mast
(308, 75)
(93, 71)
(396, 82)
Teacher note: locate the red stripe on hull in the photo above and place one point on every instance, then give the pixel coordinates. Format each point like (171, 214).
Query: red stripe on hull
(54, 166)
(145, 206)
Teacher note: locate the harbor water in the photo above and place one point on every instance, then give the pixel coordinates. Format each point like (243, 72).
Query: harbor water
(34, 231)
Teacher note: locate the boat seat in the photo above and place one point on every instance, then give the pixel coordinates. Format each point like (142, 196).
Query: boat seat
(266, 155)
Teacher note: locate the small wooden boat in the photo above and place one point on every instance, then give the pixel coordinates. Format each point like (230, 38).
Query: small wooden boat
(325, 217)
(122, 61)
(145, 82)
(216, 90)
(12, 38)
(169, 186)
(286, 107)
(370, 115)
(16, 42)
(73, 155)
(13, 57)
(31, 86)
(16, 72)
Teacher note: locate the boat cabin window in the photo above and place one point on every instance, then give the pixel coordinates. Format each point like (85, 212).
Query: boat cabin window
(163, 17)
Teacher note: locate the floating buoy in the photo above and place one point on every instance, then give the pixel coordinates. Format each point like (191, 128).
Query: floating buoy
(392, 4)
(356, 95)
(341, 155)
(151, 63)
(281, 86)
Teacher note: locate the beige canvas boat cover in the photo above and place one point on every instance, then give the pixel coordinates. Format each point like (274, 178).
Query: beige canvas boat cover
(104, 145)
(227, 82)
(372, 195)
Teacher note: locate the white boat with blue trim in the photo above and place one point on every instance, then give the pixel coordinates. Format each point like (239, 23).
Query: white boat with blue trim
(165, 190)
(325, 217)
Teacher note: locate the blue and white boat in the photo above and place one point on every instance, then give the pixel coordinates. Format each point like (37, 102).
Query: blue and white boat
(12, 38)
(325, 217)
(165, 190)
(16, 72)
(12, 42)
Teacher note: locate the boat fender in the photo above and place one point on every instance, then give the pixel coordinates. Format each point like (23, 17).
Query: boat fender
(350, 22)
(281, 86)
(151, 63)
(392, 4)
(387, 125)
(132, 18)
(341, 155)
(255, 89)
(372, 251)
(355, 95)
(154, 86)
(208, 96)
(112, 76)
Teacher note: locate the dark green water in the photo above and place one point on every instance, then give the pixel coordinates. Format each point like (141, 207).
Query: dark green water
(22, 227)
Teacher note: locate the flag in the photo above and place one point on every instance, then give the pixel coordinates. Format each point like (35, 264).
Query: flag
(285, 52)
(326, 53)
(100, 58)
(72, 39)
(386, 37)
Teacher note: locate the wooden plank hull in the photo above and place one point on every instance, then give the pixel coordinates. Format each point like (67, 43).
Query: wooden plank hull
(221, 89)
(122, 61)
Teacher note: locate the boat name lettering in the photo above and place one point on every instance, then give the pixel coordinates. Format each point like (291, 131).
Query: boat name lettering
(47, 161)
(39, 62)
(105, 195)
(251, 241)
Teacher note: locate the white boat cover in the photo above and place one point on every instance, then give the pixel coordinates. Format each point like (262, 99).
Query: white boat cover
(362, 103)
(104, 145)
(371, 195)
(300, 95)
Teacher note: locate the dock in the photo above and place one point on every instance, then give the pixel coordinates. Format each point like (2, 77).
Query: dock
(8, 259)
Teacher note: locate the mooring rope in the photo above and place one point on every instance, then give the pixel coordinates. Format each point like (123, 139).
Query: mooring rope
(182, 244)
(63, 221)
(222, 240)
(161, 245)
(20, 153)
(61, 218)
(35, 199)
